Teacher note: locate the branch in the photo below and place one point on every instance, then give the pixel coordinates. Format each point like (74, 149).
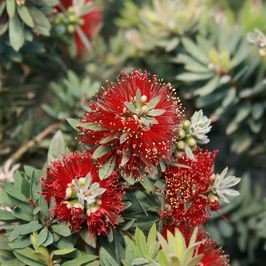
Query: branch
(31, 143)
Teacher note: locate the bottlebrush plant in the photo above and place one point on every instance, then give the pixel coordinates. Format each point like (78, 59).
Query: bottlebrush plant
(138, 194)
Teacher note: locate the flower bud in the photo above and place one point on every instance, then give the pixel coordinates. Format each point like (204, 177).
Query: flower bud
(69, 192)
(262, 52)
(182, 134)
(213, 177)
(71, 18)
(144, 109)
(191, 142)
(212, 198)
(82, 181)
(186, 124)
(143, 99)
(70, 28)
(181, 145)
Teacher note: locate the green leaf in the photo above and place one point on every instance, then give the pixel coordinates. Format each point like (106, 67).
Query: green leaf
(128, 225)
(100, 151)
(153, 102)
(61, 229)
(27, 259)
(148, 121)
(131, 107)
(108, 139)
(88, 237)
(123, 137)
(156, 112)
(63, 251)
(152, 236)
(242, 142)
(81, 260)
(21, 242)
(57, 146)
(91, 126)
(49, 240)
(16, 33)
(30, 256)
(10, 190)
(147, 184)
(138, 98)
(28, 228)
(42, 25)
(141, 242)
(208, 88)
(140, 261)
(195, 51)
(106, 259)
(6, 215)
(41, 251)
(42, 236)
(44, 209)
(2, 8)
(162, 166)
(257, 111)
(10, 8)
(23, 215)
(191, 77)
(73, 122)
(107, 169)
(25, 16)
(189, 152)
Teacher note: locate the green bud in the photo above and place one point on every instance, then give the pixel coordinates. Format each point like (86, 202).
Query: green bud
(69, 192)
(70, 28)
(182, 133)
(186, 124)
(181, 145)
(71, 18)
(191, 142)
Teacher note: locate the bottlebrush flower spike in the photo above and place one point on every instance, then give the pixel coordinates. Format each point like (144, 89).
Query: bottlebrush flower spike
(131, 123)
(188, 195)
(81, 197)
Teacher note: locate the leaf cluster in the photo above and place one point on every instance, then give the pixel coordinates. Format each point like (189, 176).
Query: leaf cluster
(22, 21)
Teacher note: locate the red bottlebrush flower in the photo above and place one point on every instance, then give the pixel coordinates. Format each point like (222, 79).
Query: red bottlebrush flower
(212, 255)
(133, 120)
(187, 189)
(81, 197)
(86, 24)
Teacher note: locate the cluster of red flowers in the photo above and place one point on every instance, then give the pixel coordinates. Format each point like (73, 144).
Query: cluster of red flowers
(133, 123)
(188, 194)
